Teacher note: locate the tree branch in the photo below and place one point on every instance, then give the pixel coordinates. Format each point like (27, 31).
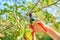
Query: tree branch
(15, 16)
(29, 12)
(46, 6)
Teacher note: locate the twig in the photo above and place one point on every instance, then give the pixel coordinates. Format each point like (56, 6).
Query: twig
(46, 6)
(29, 12)
(15, 16)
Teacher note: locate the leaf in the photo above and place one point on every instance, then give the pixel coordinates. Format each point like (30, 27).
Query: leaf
(20, 6)
(5, 4)
(50, 2)
(24, 8)
(15, 5)
(3, 11)
(18, 14)
(30, 5)
(7, 37)
(11, 7)
(35, 8)
(46, 2)
(28, 35)
(19, 34)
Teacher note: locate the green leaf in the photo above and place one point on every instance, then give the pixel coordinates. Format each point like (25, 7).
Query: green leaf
(46, 2)
(5, 4)
(20, 6)
(19, 34)
(18, 14)
(15, 5)
(50, 2)
(11, 7)
(28, 35)
(24, 8)
(30, 5)
(35, 8)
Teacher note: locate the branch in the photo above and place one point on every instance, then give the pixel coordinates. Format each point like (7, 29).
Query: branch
(29, 12)
(16, 18)
(46, 6)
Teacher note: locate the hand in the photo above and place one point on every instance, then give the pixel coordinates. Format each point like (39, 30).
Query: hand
(38, 26)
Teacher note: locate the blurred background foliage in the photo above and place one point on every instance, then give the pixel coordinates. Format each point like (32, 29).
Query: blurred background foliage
(14, 18)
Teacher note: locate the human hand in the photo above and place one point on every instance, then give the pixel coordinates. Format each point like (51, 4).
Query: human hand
(38, 26)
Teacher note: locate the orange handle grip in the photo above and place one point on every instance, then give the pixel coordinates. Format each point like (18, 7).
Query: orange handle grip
(42, 26)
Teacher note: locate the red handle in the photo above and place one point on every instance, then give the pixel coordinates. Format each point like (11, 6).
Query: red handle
(31, 26)
(41, 25)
